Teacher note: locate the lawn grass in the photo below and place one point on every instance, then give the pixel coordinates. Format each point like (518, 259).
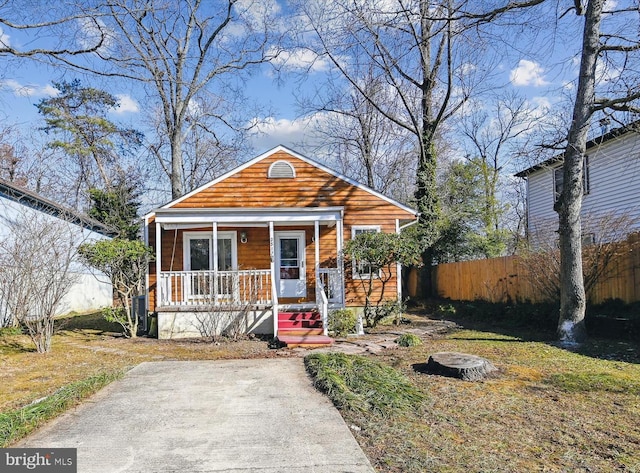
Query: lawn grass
(86, 346)
(17, 423)
(548, 410)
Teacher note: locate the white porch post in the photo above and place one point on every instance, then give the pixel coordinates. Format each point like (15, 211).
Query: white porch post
(398, 268)
(274, 291)
(159, 295)
(213, 289)
(316, 239)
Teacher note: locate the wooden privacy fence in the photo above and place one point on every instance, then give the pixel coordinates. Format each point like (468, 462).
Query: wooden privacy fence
(508, 279)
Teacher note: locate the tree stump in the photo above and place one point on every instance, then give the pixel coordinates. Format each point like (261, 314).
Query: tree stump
(460, 365)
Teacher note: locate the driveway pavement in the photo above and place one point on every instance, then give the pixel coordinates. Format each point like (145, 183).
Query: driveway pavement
(208, 416)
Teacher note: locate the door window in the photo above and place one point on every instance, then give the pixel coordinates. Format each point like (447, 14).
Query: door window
(289, 258)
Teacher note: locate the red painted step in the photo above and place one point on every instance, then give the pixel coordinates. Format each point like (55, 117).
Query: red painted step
(301, 332)
(307, 341)
(284, 324)
(299, 316)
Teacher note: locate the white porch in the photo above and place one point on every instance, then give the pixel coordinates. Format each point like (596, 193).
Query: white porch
(222, 284)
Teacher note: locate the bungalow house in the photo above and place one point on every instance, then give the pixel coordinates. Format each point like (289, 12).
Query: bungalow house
(266, 238)
(88, 292)
(611, 182)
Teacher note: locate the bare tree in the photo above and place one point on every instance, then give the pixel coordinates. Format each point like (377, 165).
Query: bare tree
(609, 44)
(207, 152)
(36, 272)
(59, 31)
(424, 51)
(360, 141)
(183, 52)
(495, 136)
(604, 243)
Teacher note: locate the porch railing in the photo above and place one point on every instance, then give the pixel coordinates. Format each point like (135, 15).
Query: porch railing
(323, 305)
(331, 280)
(196, 288)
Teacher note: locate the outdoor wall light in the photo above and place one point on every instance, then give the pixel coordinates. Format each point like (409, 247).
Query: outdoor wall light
(243, 237)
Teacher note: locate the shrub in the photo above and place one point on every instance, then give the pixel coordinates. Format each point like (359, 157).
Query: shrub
(388, 310)
(342, 322)
(9, 331)
(408, 340)
(445, 310)
(359, 384)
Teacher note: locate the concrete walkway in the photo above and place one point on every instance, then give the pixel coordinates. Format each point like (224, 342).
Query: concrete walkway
(208, 416)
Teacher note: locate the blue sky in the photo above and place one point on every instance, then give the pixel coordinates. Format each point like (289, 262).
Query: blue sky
(22, 87)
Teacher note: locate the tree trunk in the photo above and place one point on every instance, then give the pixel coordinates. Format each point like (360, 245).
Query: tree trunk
(460, 365)
(571, 327)
(177, 172)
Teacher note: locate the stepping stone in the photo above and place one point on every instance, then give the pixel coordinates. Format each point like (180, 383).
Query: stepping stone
(460, 365)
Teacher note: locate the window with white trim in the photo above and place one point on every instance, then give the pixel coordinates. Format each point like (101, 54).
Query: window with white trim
(198, 251)
(198, 260)
(362, 269)
(558, 179)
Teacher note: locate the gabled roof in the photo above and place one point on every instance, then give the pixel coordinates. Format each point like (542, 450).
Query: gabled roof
(633, 127)
(281, 148)
(35, 201)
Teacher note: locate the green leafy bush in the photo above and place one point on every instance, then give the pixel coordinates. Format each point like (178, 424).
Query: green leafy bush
(389, 311)
(408, 340)
(9, 331)
(342, 322)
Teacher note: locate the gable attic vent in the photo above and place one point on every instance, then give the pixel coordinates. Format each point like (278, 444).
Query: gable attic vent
(281, 170)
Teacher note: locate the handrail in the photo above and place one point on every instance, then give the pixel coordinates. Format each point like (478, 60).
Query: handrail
(274, 300)
(323, 305)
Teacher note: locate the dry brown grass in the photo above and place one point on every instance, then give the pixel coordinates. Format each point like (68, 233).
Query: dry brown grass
(87, 345)
(549, 409)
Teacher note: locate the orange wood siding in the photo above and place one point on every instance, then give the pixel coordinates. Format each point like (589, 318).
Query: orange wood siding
(312, 187)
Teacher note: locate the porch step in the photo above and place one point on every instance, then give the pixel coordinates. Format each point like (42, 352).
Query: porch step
(305, 341)
(301, 332)
(286, 324)
(299, 320)
(307, 315)
(302, 329)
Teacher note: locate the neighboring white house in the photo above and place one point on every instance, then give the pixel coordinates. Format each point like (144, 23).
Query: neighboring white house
(611, 202)
(89, 292)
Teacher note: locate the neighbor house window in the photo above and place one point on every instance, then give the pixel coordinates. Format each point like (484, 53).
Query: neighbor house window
(558, 179)
(362, 269)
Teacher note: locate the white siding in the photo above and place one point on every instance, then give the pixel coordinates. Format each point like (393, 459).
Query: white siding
(92, 289)
(614, 189)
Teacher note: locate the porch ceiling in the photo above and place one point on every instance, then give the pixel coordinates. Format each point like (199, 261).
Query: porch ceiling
(172, 218)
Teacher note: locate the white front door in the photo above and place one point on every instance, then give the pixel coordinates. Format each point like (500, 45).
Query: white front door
(290, 264)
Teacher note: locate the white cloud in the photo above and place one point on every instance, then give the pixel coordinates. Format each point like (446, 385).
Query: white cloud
(29, 90)
(92, 31)
(4, 39)
(126, 104)
(270, 132)
(606, 72)
(528, 73)
(297, 59)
